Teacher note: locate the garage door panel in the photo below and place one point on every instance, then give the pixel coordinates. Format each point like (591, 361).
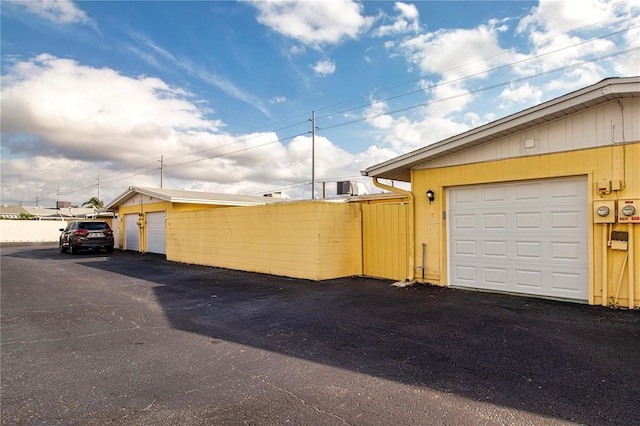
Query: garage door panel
(531, 240)
(465, 221)
(566, 220)
(132, 232)
(528, 250)
(493, 221)
(566, 251)
(497, 277)
(495, 195)
(465, 248)
(495, 249)
(465, 196)
(528, 220)
(156, 232)
(566, 281)
(568, 191)
(529, 279)
(527, 192)
(466, 273)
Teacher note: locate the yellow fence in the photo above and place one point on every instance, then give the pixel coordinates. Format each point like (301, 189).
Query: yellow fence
(309, 240)
(384, 237)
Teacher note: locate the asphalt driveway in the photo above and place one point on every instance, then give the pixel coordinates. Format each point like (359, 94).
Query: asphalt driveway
(128, 338)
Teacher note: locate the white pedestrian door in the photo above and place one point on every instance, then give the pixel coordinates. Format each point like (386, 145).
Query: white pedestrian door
(156, 232)
(526, 237)
(131, 232)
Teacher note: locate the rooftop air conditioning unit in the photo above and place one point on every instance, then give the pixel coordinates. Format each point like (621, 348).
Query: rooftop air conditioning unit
(278, 194)
(344, 188)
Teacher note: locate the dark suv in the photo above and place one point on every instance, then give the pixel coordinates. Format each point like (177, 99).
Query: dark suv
(86, 235)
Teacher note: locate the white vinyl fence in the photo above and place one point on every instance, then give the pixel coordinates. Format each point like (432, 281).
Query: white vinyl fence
(30, 230)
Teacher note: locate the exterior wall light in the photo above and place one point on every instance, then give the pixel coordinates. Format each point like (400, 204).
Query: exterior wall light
(430, 196)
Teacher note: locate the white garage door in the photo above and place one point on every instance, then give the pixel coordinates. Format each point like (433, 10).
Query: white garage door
(131, 232)
(525, 237)
(156, 232)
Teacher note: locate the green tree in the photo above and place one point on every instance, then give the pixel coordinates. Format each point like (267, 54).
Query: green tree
(27, 216)
(94, 202)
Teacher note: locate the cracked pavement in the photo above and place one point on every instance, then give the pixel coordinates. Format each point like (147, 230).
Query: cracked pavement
(131, 339)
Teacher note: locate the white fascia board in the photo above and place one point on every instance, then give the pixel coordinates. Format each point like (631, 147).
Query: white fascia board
(215, 202)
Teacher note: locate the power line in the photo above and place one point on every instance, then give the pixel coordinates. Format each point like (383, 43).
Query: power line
(480, 72)
(483, 89)
(118, 176)
(239, 150)
(106, 180)
(248, 138)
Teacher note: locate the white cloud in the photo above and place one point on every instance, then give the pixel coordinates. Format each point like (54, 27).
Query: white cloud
(73, 108)
(314, 23)
(400, 135)
(561, 33)
(407, 135)
(456, 53)
(455, 58)
(406, 21)
(376, 115)
(576, 78)
(553, 17)
(409, 11)
(449, 97)
(58, 11)
(278, 99)
(65, 123)
(522, 94)
(325, 67)
(473, 119)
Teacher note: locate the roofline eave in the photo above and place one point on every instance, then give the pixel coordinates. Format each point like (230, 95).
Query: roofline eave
(398, 168)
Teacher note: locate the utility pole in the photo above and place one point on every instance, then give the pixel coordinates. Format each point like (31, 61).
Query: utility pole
(98, 187)
(313, 155)
(161, 166)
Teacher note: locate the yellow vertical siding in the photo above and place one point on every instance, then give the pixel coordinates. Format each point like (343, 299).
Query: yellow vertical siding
(384, 236)
(612, 162)
(310, 240)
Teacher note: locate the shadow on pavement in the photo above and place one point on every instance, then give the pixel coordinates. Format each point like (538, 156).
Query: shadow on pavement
(567, 361)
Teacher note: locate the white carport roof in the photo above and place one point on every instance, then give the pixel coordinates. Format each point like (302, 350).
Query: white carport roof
(192, 197)
(399, 168)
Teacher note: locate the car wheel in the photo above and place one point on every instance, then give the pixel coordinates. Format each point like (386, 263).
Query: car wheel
(72, 249)
(110, 249)
(62, 249)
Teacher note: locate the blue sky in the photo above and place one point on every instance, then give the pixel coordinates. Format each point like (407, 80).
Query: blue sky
(95, 93)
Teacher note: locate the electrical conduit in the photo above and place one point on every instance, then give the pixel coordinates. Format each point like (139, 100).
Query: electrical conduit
(631, 265)
(604, 277)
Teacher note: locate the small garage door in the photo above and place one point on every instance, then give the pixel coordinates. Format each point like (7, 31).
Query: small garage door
(156, 232)
(526, 237)
(131, 232)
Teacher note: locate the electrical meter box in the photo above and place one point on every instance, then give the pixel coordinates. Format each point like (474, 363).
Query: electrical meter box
(619, 240)
(629, 211)
(604, 211)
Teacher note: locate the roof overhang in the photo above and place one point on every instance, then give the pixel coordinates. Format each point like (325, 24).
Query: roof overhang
(399, 168)
(191, 197)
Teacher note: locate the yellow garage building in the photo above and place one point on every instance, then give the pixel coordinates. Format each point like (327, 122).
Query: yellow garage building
(544, 202)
